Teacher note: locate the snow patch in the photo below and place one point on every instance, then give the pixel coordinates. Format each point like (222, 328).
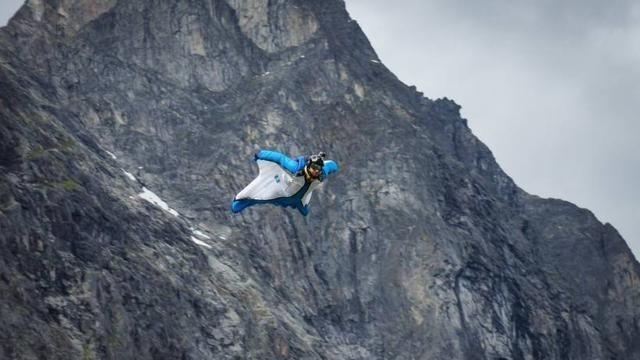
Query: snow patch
(199, 242)
(221, 231)
(129, 175)
(149, 196)
(265, 74)
(201, 234)
(375, 61)
(111, 154)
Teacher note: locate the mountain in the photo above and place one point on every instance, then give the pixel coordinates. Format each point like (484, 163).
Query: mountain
(126, 127)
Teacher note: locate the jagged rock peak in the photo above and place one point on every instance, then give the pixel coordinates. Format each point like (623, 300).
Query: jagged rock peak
(70, 15)
(275, 25)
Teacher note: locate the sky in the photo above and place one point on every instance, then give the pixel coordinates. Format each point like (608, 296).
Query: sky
(551, 87)
(7, 9)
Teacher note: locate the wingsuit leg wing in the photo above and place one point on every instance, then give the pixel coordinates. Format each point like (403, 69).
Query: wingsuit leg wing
(239, 205)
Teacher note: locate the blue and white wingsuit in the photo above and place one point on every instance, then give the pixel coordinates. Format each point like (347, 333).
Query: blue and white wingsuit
(281, 182)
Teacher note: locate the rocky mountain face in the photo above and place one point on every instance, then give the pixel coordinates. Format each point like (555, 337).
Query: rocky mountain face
(126, 128)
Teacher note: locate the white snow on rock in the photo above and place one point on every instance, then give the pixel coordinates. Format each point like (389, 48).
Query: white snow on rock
(129, 175)
(199, 242)
(148, 195)
(201, 234)
(375, 61)
(111, 154)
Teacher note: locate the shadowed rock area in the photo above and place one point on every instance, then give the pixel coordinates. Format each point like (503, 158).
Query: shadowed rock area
(126, 127)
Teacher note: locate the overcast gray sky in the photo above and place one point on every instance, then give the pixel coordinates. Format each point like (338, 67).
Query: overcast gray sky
(7, 9)
(552, 87)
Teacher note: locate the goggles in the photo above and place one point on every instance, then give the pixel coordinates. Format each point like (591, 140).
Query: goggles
(315, 166)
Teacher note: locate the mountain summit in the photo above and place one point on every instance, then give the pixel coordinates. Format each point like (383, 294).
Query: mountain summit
(126, 127)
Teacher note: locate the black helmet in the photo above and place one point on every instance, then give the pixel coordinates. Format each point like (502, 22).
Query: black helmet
(316, 161)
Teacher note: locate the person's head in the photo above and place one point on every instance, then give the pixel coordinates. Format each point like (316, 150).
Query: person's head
(315, 165)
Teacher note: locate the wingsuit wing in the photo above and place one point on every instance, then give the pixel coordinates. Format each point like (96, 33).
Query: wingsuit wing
(272, 182)
(330, 167)
(291, 165)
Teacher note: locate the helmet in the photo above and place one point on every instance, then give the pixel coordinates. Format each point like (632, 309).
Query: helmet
(316, 161)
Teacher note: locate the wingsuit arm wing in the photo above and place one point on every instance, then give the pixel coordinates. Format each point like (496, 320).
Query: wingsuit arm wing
(330, 167)
(278, 158)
